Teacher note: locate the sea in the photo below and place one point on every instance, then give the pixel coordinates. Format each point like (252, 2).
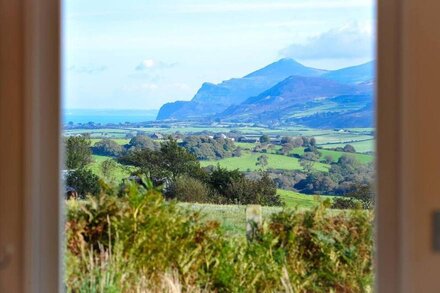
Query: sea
(108, 116)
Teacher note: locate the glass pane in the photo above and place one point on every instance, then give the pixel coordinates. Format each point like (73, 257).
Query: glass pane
(219, 145)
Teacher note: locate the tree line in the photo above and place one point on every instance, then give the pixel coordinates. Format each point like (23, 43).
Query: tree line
(178, 171)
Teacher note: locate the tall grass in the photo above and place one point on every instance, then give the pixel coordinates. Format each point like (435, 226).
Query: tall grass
(141, 243)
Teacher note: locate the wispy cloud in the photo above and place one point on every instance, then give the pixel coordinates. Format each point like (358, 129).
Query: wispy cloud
(149, 64)
(87, 69)
(265, 6)
(146, 86)
(350, 41)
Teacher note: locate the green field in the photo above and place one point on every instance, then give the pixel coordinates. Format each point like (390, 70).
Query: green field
(362, 158)
(233, 217)
(119, 173)
(294, 199)
(360, 146)
(247, 161)
(120, 141)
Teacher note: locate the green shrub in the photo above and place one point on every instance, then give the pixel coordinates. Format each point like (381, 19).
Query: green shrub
(140, 242)
(345, 203)
(78, 152)
(188, 189)
(107, 147)
(325, 251)
(83, 181)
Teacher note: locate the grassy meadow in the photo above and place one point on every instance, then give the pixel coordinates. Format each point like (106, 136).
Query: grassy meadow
(232, 218)
(119, 173)
(247, 162)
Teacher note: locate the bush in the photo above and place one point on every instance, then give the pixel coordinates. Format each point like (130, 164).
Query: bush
(348, 148)
(84, 182)
(206, 148)
(234, 188)
(345, 203)
(107, 168)
(78, 152)
(107, 147)
(141, 141)
(140, 243)
(264, 139)
(247, 191)
(169, 162)
(324, 251)
(188, 189)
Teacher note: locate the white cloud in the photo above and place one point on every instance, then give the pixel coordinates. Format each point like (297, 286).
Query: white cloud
(349, 41)
(149, 86)
(140, 87)
(148, 64)
(181, 86)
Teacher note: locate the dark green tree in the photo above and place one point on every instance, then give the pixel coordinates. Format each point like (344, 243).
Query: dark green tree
(143, 142)
(84, 182)
(264, 139)
(188, 189)
(348, 148)
(78, 152)
(107, 147)
(169, 162)
(108, 167)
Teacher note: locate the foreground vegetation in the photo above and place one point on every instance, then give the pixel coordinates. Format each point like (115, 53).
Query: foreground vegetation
(134, 241)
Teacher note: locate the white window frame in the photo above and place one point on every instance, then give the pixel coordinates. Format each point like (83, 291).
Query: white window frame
(30, 193)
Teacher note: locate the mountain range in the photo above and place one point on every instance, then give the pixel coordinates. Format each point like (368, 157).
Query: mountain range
(285, 92)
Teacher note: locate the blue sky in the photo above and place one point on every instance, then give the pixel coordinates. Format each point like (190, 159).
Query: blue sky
(130, 54)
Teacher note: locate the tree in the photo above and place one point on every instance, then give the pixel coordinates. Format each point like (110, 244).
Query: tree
(349, 148)
(107, 147)
(84, 182)
(206, 148)
(78, 152)
(316, 183)
(220, 178)
(188, 189)
(169, 162)
(311, 156)
(107, 168)
(237, 152)
(286, 148)
(142, 142)
(364, 194)
(178, 161)
(264, 139)
(247, 191)
(262, 161)
(307, 165)
(328, 159)
(286, 140)
(308, 160)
